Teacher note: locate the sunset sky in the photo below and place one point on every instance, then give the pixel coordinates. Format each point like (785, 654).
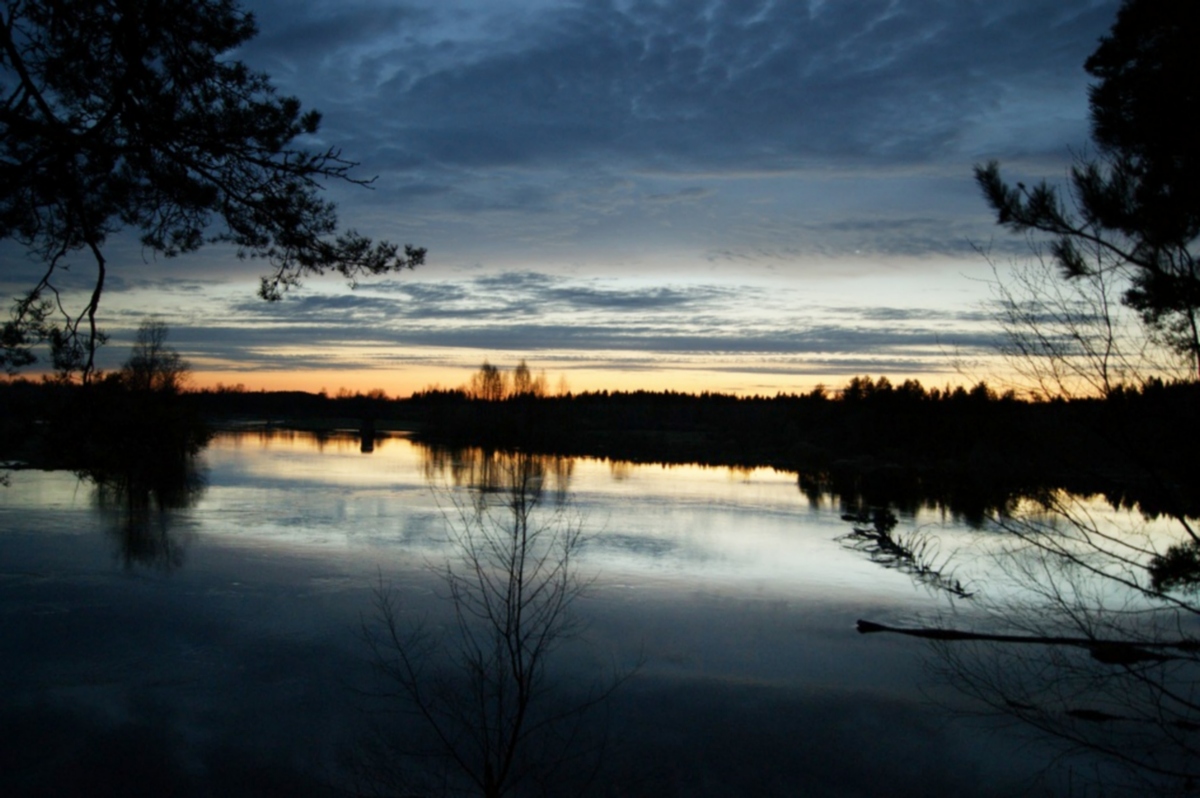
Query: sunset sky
(748, 197)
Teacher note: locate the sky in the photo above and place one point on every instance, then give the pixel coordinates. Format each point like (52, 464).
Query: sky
(748, 197)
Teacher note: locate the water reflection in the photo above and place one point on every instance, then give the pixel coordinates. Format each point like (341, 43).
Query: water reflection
(495, 718)
(621, 469)
(143, 464)
(1082, 638)
(366, 439)
(856, 486)
(916, 553)
(1072, 635)
(696, 522)
(141, 508)
(742, 528)
(489, 471)
(755, 684)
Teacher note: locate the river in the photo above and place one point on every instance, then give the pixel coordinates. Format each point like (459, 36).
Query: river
(215, 646)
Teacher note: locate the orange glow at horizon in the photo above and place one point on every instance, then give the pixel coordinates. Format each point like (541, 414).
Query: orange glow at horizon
(403, 383)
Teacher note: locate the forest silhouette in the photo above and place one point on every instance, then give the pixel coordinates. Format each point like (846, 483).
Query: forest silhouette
(905, 446)
(1123, 230)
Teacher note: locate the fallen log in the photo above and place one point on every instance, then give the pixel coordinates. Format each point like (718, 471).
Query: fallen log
(1112, 652)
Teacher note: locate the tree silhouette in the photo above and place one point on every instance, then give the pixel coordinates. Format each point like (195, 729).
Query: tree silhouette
(152, 365)
(482, 686)
(1090, 618)
(522, 379)
(130, 114)
(1104, 660)
(488, 384)
(1074, 338)
(525, 384)
(1135, 209)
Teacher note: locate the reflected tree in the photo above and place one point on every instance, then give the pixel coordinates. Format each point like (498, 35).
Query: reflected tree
(1076, 636)
(142, 513)
(1098, 655)
(1088, 627)
(137, 441)
(494, 721)
(487, 471)
(915, 553)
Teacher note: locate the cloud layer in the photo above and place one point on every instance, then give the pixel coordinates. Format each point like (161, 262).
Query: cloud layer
(568, 115)
(755, 186)
(740, 336)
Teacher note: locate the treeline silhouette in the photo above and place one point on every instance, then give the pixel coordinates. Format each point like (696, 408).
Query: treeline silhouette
(971, 449)
(901, 445)
(106, 427)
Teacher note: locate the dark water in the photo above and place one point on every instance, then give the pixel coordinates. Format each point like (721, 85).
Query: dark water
(213, 646)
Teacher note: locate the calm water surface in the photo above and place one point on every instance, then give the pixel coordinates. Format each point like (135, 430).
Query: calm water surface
(217, 650)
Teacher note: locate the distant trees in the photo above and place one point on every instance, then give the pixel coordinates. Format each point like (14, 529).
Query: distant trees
(487, 384)
(1134, 211)
(152, 365)
(490, 384)
(525, 384)
(127, 114)
(1090, 617)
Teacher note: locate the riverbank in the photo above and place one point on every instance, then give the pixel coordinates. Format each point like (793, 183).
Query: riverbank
(975, 452)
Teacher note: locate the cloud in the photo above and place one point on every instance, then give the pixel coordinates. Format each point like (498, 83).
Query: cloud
(551, 123)
(686, 195)
(671, 152)
(506, 298)
(681, 86)
(606, 324)
(893, 314)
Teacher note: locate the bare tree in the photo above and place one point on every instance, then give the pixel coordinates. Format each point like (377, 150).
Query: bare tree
(1079, 636)
(481, 688)
(1090, 627)
(1085, 627)
(524, 383)
(1137, 200)
(522, 380)
(488, 384)
(152, 365)
(1127, 690)
(1069, 338)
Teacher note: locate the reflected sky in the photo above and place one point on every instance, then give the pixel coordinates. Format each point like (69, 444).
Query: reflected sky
(734, 590)
(680, 527)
